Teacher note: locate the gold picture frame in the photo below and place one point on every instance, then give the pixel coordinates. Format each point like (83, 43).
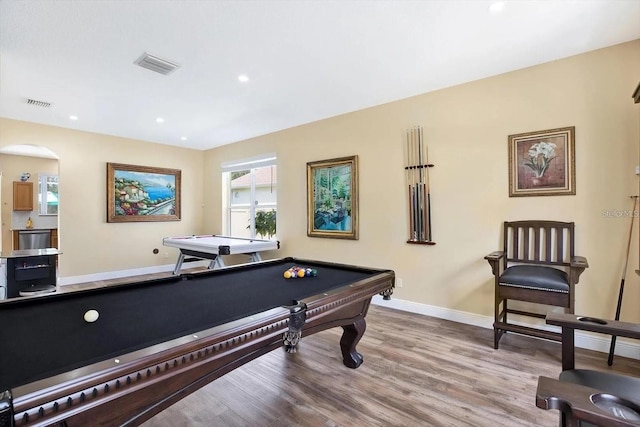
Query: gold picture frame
(142, 193)
(332, 198)
(542, 163)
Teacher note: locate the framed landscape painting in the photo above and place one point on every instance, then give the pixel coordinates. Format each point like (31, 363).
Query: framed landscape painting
(542, 163)
(142, 193)
(332, 198)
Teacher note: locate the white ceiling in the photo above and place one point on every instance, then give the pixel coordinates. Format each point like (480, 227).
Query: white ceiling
(306, 60)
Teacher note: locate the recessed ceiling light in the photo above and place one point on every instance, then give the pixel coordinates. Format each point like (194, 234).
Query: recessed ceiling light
(243, 78)
(496, 6)
(73, 117)
(160, 120)
(183, 138)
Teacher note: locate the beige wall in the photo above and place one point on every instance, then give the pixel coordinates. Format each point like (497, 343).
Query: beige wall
(466, 128)
(89, 244)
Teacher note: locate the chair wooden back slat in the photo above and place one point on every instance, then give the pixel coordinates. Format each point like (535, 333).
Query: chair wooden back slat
(536, 243)
(572, 245)
(539, 242)
(560, 241)
(545, 237)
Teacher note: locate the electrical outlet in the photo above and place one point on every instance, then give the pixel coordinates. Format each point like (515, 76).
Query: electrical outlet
(398, 283)
(637, 170)
(166, 255)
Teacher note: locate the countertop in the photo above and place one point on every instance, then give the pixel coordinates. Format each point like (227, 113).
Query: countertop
(33, 228)
(30, 253)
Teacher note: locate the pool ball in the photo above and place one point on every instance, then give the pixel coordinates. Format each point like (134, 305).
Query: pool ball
(91, 316)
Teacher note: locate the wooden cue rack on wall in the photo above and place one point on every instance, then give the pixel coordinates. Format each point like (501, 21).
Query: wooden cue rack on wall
(419, 189)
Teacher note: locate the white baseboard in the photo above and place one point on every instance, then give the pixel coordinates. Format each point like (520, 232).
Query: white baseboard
(597, 342)
(74, 280)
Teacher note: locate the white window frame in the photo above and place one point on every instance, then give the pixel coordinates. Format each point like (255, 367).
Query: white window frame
(43, 181)
(247, 164)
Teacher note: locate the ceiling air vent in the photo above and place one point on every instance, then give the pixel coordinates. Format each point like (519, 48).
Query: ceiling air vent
(157, 64)
(38, 103)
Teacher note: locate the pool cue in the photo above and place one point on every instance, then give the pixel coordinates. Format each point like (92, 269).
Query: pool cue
(410, 193)
(426, 214)
(426, 157)
(416, 187)
(414, 229)
(423, 195)
(423, 223)
(419, 185)
(612, 347)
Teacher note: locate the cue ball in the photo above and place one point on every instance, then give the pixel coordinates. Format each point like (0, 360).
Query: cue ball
(91, 316)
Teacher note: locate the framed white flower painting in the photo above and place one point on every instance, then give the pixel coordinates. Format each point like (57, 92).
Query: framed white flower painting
(542, 163)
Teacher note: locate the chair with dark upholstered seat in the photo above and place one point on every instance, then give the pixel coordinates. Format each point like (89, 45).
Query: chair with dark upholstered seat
(537, 265)
(587, 397)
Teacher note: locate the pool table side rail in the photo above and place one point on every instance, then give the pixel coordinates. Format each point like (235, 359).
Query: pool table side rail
(297, 261)
(291, 260)
(138, 369)
(142, 384)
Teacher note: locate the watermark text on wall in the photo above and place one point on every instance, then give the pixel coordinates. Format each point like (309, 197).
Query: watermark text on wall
(620, 213)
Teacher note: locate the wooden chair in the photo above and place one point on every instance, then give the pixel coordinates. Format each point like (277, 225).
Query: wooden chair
(588, 397)
(538, 265)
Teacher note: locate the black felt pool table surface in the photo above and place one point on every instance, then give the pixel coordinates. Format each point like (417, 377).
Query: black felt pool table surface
(46, 336)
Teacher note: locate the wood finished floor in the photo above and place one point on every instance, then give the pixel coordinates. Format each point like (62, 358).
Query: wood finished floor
(417, 371)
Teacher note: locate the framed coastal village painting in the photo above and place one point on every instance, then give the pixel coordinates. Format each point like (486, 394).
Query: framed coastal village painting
(332, 198)
(142, 193)
(542, 163)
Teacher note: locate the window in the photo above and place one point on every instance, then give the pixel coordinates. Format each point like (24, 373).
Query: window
(48, 194)
(250, 196)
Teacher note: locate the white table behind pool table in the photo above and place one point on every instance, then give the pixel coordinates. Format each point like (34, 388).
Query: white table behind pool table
(212, 247)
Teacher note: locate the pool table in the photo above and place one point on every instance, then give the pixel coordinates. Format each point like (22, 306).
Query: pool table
(212, 247)
(156, 341)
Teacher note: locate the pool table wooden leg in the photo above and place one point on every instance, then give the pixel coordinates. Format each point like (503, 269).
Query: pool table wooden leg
(350, 338)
